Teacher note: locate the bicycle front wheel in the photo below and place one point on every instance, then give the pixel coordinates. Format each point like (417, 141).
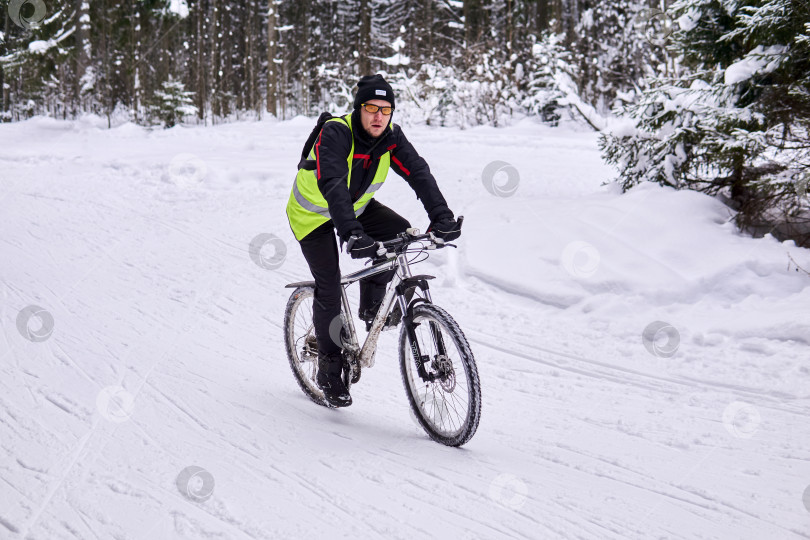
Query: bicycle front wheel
(447, 403)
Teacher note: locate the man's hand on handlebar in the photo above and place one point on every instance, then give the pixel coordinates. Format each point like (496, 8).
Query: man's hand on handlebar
(360, 245)
(447, 229)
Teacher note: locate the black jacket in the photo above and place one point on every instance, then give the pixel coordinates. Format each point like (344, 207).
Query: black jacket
(332, 150)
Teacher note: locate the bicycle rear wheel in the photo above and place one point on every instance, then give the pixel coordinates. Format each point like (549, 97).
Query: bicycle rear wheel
(299, 339)
(449, 407)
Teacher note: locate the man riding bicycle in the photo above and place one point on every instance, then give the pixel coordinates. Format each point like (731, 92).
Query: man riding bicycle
(334, 190)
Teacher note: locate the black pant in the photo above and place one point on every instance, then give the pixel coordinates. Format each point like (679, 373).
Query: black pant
(321, 252)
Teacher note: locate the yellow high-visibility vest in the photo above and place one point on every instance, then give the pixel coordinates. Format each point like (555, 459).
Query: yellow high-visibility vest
(307, 208)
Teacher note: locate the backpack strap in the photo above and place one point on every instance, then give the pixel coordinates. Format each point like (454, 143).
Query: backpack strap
(311, 164)
(305, 162)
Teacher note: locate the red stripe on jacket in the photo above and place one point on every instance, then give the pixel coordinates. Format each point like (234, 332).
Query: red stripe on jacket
(398, 162)
(318, 154)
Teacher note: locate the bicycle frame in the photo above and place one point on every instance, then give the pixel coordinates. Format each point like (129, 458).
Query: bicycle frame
(365, 354)
(397, 288)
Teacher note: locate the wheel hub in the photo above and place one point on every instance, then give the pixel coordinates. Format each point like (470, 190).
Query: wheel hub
(444, 369)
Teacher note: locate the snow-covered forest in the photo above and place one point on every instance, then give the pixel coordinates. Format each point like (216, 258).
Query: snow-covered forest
(702, 94)
(458, 62)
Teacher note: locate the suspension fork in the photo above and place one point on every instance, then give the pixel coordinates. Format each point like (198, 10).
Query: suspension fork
(410, 326)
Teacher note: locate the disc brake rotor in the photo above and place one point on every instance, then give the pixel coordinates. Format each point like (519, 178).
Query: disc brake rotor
(447, 375)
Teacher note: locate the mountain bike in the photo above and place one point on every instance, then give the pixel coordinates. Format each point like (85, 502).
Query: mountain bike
(437, 366)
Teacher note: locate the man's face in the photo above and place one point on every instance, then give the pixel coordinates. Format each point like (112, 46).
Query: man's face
(375, 124)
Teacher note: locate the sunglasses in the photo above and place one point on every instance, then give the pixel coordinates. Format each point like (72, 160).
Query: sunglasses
(374, 108)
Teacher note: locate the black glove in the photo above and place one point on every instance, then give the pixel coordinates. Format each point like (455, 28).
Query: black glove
(447, 229)
(360, 245)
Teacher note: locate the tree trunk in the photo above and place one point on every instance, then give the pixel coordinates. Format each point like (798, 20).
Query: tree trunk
(510, 24)
(541, 17)
(200, 41)
(429, 26)
(364, 45)
(251, 59)
(136, 59)
(557, 10)
(216, 91)
(473, 15)
(272, 71)
(82, 51)
(4, 48)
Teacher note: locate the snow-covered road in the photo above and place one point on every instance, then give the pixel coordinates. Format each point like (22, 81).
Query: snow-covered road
(165, 351)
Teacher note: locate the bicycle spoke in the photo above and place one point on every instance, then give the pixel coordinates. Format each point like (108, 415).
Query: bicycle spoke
(464, 405)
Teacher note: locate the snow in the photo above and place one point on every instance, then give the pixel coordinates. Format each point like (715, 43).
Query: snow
(397, 59)
(88, 79)
(41, 46)
(759, 61)
(179, 7)
(689, 20)
(643, 364)
(568, 88)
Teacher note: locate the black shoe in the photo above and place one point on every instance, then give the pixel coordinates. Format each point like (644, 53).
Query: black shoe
(394, 318)
(367, 315)
(329, 379)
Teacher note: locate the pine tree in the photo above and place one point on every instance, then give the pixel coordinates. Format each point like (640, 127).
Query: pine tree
(735, 123)
(172, 103)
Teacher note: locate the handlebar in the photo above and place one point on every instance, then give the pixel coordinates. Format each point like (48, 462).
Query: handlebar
(411, 236)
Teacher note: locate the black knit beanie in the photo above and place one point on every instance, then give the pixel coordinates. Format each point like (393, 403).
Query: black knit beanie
(373, 87)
